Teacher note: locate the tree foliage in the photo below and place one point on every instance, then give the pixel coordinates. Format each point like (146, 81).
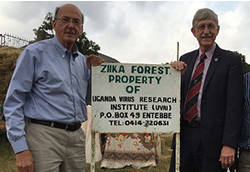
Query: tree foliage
(87, 46)
(46, 27)
(245, 65)
(84, 45)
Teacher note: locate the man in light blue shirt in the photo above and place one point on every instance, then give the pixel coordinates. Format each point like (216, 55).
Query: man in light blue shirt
(47, 97)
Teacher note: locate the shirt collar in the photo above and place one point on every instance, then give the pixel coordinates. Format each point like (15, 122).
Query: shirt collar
(209, 53)
(62, 50)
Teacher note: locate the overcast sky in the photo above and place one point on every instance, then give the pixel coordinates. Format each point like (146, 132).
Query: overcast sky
(137, 31)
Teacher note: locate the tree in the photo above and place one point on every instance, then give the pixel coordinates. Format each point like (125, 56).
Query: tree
(87, 46)
(45, 31)
(245, 65)
(46, 28)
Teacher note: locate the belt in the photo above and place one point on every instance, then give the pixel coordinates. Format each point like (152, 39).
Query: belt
(68, 127)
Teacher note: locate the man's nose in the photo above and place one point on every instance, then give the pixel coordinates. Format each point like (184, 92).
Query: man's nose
(206, 29)
(71, 23)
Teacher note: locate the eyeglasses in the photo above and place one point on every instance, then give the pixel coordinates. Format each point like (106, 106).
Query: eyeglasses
(203, 26)
(66, 20)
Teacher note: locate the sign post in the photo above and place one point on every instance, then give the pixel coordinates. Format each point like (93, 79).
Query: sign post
(135, 98)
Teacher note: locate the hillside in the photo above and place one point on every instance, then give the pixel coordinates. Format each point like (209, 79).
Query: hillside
(8, 56)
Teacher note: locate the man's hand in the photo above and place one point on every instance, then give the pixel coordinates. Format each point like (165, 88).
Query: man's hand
(179, 65)
(25, 161)
(94, 60)
(227, 157)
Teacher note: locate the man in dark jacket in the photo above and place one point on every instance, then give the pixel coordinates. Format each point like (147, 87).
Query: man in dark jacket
(211, 101)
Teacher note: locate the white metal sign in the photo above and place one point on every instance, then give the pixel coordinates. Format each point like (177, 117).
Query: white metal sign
(135, 98)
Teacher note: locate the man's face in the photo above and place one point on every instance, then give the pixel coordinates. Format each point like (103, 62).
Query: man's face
(68, 25)
(205, 32)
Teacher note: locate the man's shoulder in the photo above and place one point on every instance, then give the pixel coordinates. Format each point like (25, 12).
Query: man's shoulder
(81, 56)
(189, 54)
(40, 45)
(226, 53)
(232, 53)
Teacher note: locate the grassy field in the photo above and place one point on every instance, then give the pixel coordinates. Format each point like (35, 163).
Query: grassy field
(7, 157)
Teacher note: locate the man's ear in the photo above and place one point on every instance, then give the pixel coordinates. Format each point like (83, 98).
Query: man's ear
(193, 31)
(218, 29)
(54, 24)
(81, 30)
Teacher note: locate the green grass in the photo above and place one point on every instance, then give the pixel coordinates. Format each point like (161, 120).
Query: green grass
(7, 158)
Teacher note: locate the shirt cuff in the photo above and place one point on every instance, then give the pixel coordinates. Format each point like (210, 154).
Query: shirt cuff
(20, 145)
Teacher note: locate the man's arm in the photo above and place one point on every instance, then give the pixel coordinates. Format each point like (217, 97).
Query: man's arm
(235, 95)
(20, 86)
(95, 61)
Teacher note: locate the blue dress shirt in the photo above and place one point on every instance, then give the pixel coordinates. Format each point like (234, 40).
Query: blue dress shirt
(244, 142)
(49, 83)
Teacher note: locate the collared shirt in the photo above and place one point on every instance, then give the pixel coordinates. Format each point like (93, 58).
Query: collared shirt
(49, 83)
(207, 61)
(244, 141)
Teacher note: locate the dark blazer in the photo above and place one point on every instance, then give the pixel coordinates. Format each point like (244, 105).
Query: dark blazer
(222, 99)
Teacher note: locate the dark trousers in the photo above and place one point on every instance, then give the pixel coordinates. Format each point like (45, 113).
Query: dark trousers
(192, 158)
